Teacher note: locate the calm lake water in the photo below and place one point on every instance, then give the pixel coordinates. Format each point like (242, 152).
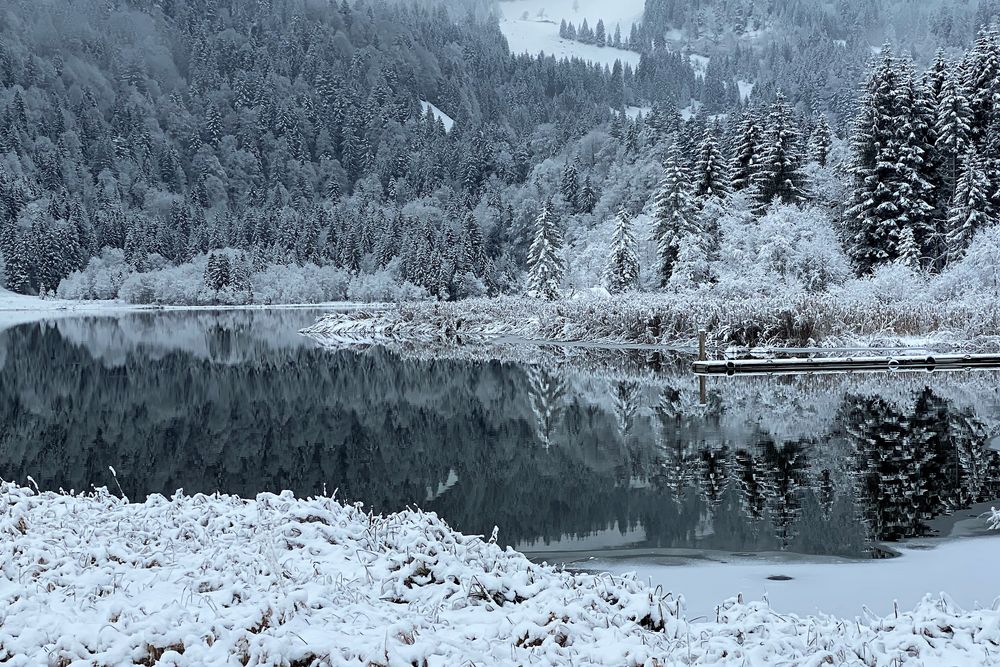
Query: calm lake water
(561, 455)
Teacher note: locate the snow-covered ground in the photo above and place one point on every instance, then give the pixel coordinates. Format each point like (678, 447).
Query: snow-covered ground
(218, 580)
(531, 26)
(699, 64)
(445, 119)
(21, 309)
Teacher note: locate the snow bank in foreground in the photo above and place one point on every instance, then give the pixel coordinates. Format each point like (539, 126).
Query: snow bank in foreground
(199, 580)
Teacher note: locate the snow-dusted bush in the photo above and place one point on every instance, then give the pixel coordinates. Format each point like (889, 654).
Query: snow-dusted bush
(182, 285)
(299, 284)
(800, 244)
(978, 272)
(100, 279)
(788, 248)
(894, 283)
(384, 286)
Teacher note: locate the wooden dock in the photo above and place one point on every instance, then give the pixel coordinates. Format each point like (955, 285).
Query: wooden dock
(860, 364)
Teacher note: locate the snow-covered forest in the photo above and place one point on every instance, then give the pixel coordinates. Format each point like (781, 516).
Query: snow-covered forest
(197, 152)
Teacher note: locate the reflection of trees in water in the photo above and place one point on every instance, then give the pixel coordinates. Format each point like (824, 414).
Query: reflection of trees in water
(546, 392)
(911, 465)
(227, 411)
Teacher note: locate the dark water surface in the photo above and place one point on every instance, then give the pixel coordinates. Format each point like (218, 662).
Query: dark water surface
(559, 456)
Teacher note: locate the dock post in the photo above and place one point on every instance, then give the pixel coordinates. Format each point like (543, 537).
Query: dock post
(702, 334)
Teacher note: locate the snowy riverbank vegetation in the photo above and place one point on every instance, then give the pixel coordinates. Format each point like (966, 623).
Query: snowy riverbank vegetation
(206, 580)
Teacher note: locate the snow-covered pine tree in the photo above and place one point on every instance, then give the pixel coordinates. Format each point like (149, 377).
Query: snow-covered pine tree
(820, 141)
(545, 261)
(622, 271)
(747, 151)
(570, 186)
(17, 267)
(970, 205)
(779, 176)
(711, 171)
(915, 190)
(936, 75)
(889, 167)
(909, 250)
(953, 130)
(675, 211)
(982, 80)
(217, 272)
(587, 197)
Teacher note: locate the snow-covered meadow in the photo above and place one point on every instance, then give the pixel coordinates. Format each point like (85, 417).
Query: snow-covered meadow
(532, 26)
(218, 580)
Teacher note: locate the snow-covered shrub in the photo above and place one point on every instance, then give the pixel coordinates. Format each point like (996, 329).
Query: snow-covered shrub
(469, 286)
(978, 272)
(801, 244)
(894, 283)
(100, 279)
(299, 284)
(182, 285)
(384, 286)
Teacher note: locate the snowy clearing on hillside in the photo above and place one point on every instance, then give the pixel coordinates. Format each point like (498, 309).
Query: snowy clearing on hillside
(635, 112)
(531, 26)
(746, 89)
(690, 111)
(445, 119)
(699, 64)
(218, 580)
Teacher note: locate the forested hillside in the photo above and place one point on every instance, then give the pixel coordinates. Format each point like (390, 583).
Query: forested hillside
(168, 129)
(195, 151)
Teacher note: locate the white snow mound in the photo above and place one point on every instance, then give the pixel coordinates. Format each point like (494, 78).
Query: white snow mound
(218, 580)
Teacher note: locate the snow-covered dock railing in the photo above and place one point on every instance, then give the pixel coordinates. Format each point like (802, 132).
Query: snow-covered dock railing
(860, 364)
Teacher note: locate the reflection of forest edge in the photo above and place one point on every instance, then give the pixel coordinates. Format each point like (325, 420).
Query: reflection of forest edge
(544, 451)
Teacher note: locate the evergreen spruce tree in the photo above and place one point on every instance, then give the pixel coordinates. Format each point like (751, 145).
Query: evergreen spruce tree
(909, 250)
(779, 175)
(17, 267)
(588, 196)
(747, 152)
(820, 141)
(915, 190)
(675, 211)
(545, 261)
(953, 130)
(970, 206)
(982, 80)
(570, 186)
(711, 172)
(622, 271)
(891, 167)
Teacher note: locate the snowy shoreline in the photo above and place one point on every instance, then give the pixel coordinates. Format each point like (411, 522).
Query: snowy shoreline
(22, 309)
(669, 320)
(204, 580)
